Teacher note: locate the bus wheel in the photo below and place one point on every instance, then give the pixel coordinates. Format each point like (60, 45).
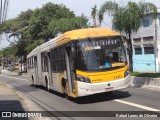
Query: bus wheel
(47, 85)
(65, 92)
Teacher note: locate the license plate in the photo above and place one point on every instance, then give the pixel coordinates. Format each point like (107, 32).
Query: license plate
(109, 89)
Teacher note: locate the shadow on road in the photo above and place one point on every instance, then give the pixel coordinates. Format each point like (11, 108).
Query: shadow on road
(51, 91)
(92, 98)
(102, 97)
(11, 106)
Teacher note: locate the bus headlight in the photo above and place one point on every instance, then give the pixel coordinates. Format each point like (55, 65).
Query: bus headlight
(126, 73)
(83, 79)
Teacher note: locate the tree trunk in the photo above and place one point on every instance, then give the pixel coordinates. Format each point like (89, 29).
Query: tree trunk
(130, 53)
(99, 25)
(21, 63)
(94, 22)
(14, 61)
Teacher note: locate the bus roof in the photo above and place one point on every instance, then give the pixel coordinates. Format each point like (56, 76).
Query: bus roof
(73, 35)
(88, 32)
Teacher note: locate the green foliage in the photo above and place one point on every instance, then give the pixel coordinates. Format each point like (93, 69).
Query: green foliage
(8, 52)
(42, 23)
(42, 17)
(66, 24)
(152, 75)
(18, 23)
(128, 18)
(95, 13)
(24, 18)
(10, 26)
(30, 47)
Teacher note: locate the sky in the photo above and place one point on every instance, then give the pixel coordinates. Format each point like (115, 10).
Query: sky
(78, 6)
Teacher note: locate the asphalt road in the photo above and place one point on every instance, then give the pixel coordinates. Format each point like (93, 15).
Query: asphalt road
(130, 99)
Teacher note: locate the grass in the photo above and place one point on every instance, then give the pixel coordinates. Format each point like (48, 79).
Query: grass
(153, 75)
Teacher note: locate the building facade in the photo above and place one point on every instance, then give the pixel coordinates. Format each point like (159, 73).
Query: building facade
(146, 45)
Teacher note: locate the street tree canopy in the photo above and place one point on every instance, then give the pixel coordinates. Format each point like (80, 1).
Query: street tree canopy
(43, 16)
(66, 24)
(32, 27)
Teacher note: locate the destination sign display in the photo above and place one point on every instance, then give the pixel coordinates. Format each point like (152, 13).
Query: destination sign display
(90, 45)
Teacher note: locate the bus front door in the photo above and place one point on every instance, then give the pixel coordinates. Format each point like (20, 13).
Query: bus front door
(69, 67)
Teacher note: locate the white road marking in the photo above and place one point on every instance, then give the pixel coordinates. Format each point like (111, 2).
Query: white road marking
(136, 105)
(13, 77)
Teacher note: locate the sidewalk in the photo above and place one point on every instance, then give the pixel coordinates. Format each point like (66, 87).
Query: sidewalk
(15, 101)
(6, 72)
(9, 101)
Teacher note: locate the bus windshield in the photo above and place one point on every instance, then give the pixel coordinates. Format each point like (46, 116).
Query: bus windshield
(97, 54)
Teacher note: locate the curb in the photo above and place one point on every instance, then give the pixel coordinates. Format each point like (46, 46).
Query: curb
(145, 82)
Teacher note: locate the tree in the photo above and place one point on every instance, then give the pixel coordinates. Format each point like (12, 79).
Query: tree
(36, 43)
(43, 16)
(128, 18)
(100, 18)
(17, 23)
(15, 28)
(8, 54)
(24, 18)
(94, 13)
(30, 28)
(66, 24)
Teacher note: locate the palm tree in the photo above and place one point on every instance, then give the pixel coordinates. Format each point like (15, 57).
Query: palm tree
(100, 18)
(128, 19)
(93, 13)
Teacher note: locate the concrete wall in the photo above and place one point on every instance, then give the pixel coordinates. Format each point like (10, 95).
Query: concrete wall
(145, 82)
(143, 62)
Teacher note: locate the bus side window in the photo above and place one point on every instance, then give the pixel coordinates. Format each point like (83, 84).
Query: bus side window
(35, 61)
(32, 63)
(58, 59)
(53, 62)
(44, 62)
(63, 63)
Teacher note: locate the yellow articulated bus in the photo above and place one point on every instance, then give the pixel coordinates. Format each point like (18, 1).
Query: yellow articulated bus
(81, 63)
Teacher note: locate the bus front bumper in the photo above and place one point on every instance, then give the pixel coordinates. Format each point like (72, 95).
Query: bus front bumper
(85, 89)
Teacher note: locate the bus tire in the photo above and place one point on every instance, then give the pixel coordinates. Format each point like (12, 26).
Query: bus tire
(65, 92)
(47, 85)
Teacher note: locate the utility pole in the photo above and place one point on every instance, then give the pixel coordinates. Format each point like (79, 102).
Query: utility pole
(156, 48)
